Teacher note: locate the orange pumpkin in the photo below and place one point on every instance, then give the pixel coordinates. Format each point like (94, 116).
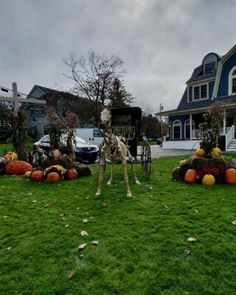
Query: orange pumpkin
(17, 167)
(208, 179)
(200, 152)
(190, 176)
(53, 177)
(72, 174)
(37, 175)
(230, 176)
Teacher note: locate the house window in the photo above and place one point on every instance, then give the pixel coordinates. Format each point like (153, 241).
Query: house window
(176, 128)
(187, 128)
(200, 92)
(210, 63)
(234, 85)
(203, 91)
(196, 93)
(232, 81)
(209, 67)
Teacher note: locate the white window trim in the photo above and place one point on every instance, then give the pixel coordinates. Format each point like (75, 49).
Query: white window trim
(230, 78)
(199, 85)
(180, 126)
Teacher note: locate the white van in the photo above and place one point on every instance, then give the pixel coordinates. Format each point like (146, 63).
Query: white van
(91, 135)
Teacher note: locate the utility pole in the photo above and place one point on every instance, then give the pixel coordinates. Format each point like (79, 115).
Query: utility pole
(161, 109)
(16, 99)
(15, 96)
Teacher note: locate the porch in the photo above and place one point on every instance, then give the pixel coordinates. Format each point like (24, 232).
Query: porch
(227, 136)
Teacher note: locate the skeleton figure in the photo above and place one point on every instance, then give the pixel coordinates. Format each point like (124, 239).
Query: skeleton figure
(114, 149)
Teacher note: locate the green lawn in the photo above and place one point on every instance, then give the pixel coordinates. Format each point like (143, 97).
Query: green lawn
(143, 247)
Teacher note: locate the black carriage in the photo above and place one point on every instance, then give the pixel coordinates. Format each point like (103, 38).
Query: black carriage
(126, 122)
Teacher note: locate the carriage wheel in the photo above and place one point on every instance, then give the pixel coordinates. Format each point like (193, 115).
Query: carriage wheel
(146, 159)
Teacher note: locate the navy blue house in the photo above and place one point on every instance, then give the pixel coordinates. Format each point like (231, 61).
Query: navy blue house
(213, 80)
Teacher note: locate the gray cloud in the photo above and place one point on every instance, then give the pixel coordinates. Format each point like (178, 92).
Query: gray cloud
(160, 41)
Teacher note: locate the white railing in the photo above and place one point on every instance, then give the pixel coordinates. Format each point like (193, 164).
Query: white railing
(196, 133)
(229, 136)
(226, 130)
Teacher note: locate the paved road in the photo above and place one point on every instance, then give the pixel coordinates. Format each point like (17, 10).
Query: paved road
(158, 152)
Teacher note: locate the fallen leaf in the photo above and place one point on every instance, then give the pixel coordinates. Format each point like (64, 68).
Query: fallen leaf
(71, 274)
(67, 225)
(187, 251)
(9, 248)
(62, 216)
(149, 186)
(191, 239)
(82, 246)
(83, 233)
(34, 201)
(85, 220)
(95, 243)
(234, 222)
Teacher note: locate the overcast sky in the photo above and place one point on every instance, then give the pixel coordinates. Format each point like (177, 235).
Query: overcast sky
(160, 41)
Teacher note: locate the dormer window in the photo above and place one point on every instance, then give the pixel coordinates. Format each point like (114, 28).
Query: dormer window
(209, 68)
(209, 63)
(200, 92)
(232, 81)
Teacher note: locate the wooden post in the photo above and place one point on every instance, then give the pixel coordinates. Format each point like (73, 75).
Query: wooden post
(191, 126)
(224, 122)
(15, 96)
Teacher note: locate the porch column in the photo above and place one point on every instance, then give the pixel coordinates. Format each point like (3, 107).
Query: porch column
(224, 122)
(191, 126)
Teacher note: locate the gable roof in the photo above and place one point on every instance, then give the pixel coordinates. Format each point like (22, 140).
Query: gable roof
(48, 92)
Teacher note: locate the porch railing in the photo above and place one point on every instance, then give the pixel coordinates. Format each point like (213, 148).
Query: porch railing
(229, 136)
(227, 129)
(196, 133)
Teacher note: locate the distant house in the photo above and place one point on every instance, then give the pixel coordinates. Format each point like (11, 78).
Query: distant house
(37, 114)
(213, 80)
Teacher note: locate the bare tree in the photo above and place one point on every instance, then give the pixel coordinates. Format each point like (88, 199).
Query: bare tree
(61, 121)
(94, 78)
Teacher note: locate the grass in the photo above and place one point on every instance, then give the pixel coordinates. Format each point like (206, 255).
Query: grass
(142, 241)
